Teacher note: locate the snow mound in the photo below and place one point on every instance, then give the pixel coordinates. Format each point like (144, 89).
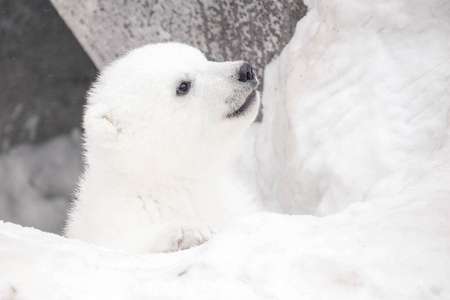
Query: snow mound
(394, 247)
(359, 94)
(356, 128)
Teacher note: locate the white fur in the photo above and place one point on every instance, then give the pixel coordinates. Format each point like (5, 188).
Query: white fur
(158, 174)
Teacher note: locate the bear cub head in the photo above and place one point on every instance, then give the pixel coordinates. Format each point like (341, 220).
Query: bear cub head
(163, 109)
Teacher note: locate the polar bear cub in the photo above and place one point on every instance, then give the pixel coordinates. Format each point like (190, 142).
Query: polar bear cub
(160, 126)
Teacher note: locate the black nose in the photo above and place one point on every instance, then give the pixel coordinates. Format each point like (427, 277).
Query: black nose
(246, 72)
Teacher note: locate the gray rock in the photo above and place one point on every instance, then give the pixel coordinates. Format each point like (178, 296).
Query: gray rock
(44, 74)
(225, 30)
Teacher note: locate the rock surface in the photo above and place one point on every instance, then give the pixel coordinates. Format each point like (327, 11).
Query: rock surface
(44, 74)
(225, 30)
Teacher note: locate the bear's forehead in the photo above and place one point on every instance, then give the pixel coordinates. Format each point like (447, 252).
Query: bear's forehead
(169, 53)
(159, 58)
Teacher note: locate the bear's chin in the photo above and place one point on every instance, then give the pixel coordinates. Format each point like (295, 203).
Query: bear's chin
(246, 107)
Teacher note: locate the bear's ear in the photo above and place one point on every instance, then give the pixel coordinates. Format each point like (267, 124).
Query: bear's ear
(101, 124)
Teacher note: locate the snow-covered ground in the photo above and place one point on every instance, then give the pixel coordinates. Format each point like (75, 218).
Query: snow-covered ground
(355, 133)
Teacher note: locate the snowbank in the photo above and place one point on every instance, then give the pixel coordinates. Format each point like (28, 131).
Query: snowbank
(356, 128)
(394, 247)
(359, 94)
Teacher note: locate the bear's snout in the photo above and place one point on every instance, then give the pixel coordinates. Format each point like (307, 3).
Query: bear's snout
(246, 73)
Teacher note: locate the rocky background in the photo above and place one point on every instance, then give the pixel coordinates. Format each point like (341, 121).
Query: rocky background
(224, 30)
(44, 74)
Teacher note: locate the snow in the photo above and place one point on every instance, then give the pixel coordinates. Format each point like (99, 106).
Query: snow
(367, 97)
(395, 247)
(354, 138)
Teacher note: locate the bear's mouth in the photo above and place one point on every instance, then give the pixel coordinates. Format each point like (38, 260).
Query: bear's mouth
(244, 107)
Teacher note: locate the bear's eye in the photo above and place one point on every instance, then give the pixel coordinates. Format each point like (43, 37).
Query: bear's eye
(183, 88)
